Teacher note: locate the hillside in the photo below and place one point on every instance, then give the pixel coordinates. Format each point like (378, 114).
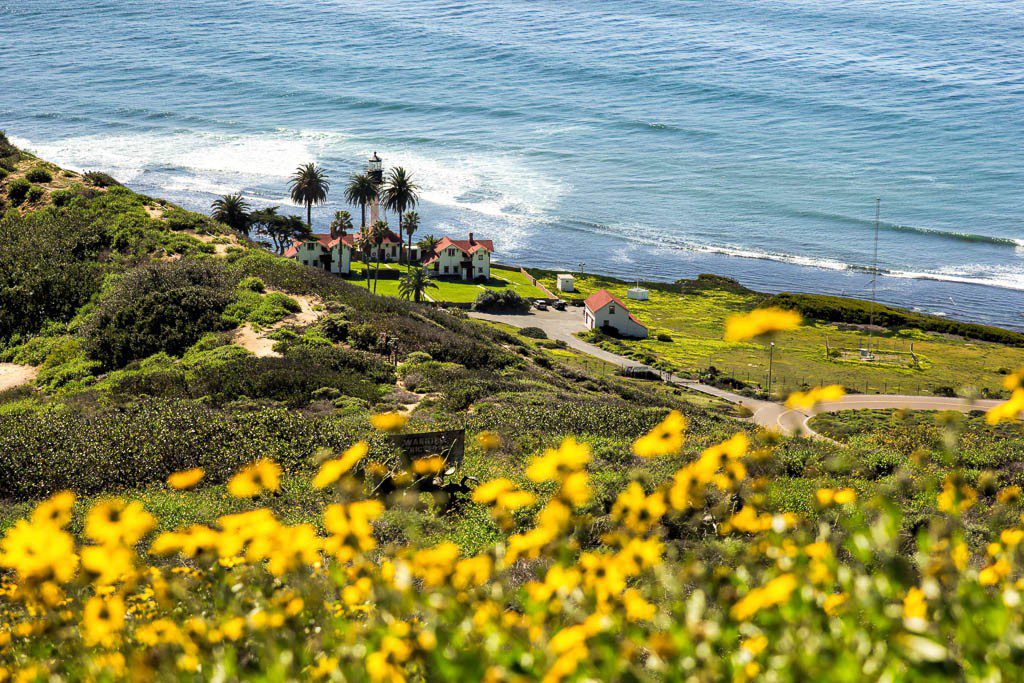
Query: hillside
(225, 417)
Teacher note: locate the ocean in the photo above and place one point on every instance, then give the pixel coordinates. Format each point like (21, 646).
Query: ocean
(648, 140)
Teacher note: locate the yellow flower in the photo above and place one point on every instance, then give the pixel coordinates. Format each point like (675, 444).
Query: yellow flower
(603, 574)
(760, 321)
(489, 441)
(386, 664)
(571, 456)
(351, 528)
(39, 552)
(559, 580)
(1009, 495)
(332, 470)
(56, 510)
(108, 564)
(388, 422)
(775, 592)
(252, 480)
(807, 400)
(114, 522)
(994, 573)
(1011, 537)
(1007, 411)
(956, 498)
(514, 500)
(665, 439)
(755, 645)
(103, 620)
(829, 497)
(637, 609)
(1014, 380)
(433, 565)
(488, 492)
(429, 465)
(637, 511)
(472, 572)
(575, 489)
(834, 602)
(185, 480)
(915, 609)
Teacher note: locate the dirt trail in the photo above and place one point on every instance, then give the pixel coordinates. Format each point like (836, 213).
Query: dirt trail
(257, 342)
(12, 375)
(220, 248)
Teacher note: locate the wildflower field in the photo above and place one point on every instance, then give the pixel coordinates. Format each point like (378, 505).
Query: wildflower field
(690, 578)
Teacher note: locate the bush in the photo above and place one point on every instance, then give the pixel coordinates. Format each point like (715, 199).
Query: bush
(533, 333)
(335, 328)
(39, 175)
(252, 284)
(63, 197)
(158, 307)
(18, 189)
(100, 179)
(506, 301)
(49, 268)
(662, 337)
(34, 194)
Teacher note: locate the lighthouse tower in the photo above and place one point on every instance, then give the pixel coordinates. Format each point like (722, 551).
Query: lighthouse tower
(375, 170)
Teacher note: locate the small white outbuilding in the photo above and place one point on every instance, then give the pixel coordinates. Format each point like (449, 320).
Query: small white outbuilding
(603, 310)
(638, 293)
(566, 283)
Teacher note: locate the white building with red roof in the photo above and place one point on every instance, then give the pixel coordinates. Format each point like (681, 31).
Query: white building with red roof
(468, 259)
(333, 254)
(603, 310)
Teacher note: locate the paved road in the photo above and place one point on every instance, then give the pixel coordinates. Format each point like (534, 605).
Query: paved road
(564, 325)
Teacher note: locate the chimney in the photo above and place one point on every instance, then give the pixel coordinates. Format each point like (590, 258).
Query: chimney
(471, 239)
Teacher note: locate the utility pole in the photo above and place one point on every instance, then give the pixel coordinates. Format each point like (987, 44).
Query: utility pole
(874, 275)
(771, 362)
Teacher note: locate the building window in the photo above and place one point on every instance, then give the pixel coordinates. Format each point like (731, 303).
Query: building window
(446, 269)
(611, 310)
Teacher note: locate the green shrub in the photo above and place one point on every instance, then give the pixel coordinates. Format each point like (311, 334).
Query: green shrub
(50, 268)
(506, 300)
(34, 194)
(335, 328)
(39, 175)
(63, 197)
(662, 337)
(157, 307)
(100, 179)
(253, 284)
(18, 189)
(260, 309)
(4, 173)
(533, 333)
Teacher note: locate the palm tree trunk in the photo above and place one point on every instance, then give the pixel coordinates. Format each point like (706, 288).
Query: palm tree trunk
(309, 216)
(376, 271)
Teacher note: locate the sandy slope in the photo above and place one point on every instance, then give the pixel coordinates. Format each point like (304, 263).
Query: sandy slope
(12, 375)
(257, 342)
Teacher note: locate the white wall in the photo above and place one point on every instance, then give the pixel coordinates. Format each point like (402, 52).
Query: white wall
(614, 315)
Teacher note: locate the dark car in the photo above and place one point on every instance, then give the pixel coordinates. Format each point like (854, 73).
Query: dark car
(559, 305)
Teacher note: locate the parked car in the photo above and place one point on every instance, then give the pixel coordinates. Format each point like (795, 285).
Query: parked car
(540, 305)
(559, 305)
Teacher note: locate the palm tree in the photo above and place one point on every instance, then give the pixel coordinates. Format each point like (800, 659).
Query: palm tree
(414, 283)
(309, 186)
(410, 222)
(400, 192)
(360, 192)
(341, 225)
(233, 211)
(363, 246)
(378, 231)
(428, 244)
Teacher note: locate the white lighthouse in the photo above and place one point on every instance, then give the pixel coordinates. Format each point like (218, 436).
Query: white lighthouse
(375, 171)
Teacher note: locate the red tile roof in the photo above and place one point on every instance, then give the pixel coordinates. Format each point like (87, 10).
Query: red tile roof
(466, 246)
(602, 298)
(291, 252)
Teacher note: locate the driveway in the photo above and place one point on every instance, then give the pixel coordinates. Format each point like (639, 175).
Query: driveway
(564, 325)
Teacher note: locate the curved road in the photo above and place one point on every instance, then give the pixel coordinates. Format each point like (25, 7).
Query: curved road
(564, 325)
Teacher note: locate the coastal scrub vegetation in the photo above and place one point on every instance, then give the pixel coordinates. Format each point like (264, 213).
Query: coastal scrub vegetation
(176, 506)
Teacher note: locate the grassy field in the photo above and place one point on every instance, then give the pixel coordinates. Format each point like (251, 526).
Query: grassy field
(686, 336)
(456, 292)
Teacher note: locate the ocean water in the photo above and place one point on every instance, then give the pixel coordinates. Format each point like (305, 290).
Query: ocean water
(648, 140)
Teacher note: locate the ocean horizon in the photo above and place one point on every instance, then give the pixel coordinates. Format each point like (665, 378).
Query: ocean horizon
(648, 141)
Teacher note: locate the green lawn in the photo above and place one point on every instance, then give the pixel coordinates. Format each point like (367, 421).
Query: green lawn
(695, 322)
(456, 292)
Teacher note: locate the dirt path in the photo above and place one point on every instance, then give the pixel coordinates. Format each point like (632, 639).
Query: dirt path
(12, 375)
(257, 341)
(220, 247)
